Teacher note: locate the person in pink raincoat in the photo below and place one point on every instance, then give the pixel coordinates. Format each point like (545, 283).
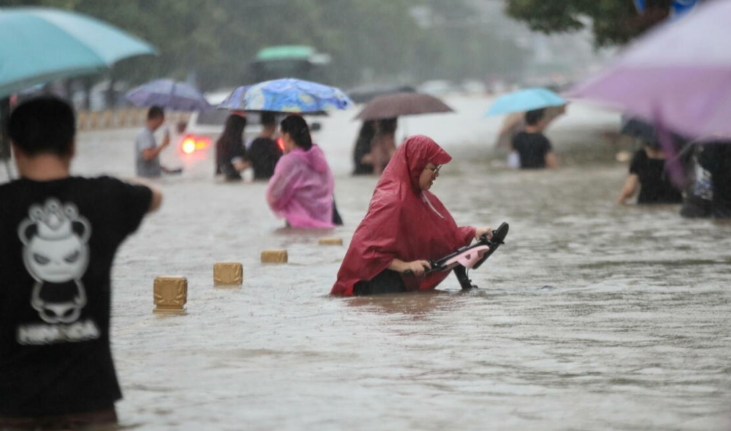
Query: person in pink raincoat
(301, 190)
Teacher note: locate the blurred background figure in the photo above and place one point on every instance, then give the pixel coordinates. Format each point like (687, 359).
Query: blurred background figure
(230, 151)
(717, 161)
(647, 171)
(533, 149)
(515, 123)
(301, 190)
(361, 152)
(709, 192)
(383, 145)
(698, 195)
(263, 153)
(147, 152)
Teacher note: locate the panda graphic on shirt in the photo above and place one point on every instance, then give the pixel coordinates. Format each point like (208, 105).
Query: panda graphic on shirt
(56, 255)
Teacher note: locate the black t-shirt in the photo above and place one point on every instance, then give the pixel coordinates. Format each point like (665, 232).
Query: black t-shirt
(57, 244)
(655, 185)
(264, 153)
(716, 158)
(532, 149)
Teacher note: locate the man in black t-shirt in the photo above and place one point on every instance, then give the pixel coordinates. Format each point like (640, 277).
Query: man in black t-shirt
(533, 148)
(58, 238)
(264, 153)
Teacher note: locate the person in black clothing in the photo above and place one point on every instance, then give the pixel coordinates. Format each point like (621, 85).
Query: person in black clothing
(647, 170)
(697, 199)
(533, 148)
(716, 159)
(59, 237)
(361, 161)
(230, 150)
(264, 153)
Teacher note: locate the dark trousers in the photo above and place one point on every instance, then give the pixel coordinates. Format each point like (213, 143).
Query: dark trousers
(89, 420)
(386, 282)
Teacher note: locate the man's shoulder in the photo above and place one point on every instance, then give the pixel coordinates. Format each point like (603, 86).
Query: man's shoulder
(93, 187)
(144, 134)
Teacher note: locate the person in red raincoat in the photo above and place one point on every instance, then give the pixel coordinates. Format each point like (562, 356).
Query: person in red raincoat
(406, 225)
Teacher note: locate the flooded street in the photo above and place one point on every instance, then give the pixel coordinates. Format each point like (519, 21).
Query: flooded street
(592, 316)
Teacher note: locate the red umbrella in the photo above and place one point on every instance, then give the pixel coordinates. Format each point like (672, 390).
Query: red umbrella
(399, 104)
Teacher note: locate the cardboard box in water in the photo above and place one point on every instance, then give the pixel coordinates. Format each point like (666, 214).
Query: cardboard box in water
(274, 256)
(171, 294)
(228, 274)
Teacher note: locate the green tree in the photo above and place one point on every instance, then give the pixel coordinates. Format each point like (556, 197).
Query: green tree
(216, 39)
(612, 21)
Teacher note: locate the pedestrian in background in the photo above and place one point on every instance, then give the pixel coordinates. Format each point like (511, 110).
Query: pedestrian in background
(147, 152)
(230, 151)
(647, 172)
(533, 148)
(383, 145)
(264, 153)
(301, 190)
(362, 161)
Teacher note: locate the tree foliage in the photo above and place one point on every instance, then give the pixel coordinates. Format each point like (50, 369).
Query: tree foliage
(215, 39)
(612, 21)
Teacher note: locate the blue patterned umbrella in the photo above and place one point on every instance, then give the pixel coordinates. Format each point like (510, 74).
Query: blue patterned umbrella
(293, 95)
(235, 100)
(168, 94)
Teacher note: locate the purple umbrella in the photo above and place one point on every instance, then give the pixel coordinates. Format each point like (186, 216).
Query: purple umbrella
(679, 75)
(168, 94)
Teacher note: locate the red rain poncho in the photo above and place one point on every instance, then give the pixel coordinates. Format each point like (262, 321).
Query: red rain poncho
(403, 222)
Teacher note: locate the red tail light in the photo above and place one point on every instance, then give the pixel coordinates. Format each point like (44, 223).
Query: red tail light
(191, 144)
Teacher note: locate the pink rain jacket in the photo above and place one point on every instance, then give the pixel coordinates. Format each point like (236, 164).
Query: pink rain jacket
(301, 190)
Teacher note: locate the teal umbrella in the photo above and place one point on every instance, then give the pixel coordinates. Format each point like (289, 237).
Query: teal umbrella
(39, 45)
(525, 100)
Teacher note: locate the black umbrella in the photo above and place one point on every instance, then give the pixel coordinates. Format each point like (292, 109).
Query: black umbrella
(399, 104)
(366, 93)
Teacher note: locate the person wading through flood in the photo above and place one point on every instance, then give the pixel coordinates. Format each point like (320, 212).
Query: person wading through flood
(264, 153)
(383, 146)
(59, 237)
(532, 146)
(647, 172)
(405, 227)
(301, 190)
(230, 151)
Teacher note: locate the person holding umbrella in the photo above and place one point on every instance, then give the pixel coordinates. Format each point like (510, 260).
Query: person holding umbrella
(362, 150)
(385, 110)
(531, 145)
(383, 145)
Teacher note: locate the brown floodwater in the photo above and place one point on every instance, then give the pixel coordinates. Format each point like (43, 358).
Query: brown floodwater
(592, 316)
